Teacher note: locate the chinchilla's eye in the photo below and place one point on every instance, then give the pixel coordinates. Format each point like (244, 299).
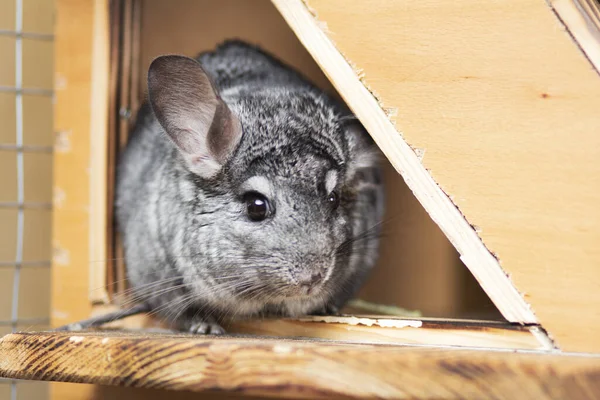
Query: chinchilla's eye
(257, 206)
(333, 199)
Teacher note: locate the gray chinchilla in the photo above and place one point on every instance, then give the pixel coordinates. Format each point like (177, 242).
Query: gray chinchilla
(244, 190)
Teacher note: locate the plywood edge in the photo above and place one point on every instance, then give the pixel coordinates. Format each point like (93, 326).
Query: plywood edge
(371, 329)
(482, 264)
(98, 152)
(582, 19)
(396, 331)
(292, 368)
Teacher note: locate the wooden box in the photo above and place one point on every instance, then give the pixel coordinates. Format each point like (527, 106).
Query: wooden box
(488, 117)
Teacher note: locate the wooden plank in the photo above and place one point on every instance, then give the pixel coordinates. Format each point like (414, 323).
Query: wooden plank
(504, 106)
(112, 146)
(372, 329)
(77, 118)
(476, 257)
(99, 150)
(386, 330)
(293, 368)
(128, 393)
(123, 51)
(71, 222)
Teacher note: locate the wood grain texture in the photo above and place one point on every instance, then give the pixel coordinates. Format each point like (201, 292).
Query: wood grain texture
(71, 222)
(291, 368)
(123, 100)
(371, 329)
(76, 117)
(504, 105)
(99, 149)
(414, 332)
(368, 109)
(102, 392)
(111, 150)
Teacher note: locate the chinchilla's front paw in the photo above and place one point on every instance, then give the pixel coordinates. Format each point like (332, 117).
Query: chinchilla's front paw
(206, 328)
(199, 325)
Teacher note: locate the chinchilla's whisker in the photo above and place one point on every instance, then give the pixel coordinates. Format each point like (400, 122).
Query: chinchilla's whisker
(205, 311)
(346, 117)
(170, 304)
(152, 284)
(141, 289)
(116, 282)
(230, 314)
(242, 260)
(244, 265)
(149, 286)
(154, 294)
(178, 309)
(371, 233)
(257, 293)
(356, 250)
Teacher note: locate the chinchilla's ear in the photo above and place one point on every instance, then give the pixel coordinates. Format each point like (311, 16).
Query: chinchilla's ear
(193, 115)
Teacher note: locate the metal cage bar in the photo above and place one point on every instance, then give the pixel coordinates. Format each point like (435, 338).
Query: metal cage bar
(19, 148)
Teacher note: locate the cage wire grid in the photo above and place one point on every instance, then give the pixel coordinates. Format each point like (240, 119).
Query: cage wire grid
(20, 148)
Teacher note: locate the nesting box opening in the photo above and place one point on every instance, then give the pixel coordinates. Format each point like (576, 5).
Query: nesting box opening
(419, 273)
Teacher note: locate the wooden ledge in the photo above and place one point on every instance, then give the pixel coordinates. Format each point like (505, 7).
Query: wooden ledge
(400, 331)
(294, 368)
(378, 329)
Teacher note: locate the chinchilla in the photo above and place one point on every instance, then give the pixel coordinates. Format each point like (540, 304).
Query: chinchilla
(244, 190)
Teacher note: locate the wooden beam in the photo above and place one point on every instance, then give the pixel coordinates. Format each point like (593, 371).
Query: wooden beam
(71, 160)
(293, 368)
(474, 254)
(79, 162)
(99, 151)
(373, 329)
(386, 330)
(81, 118)
(502, 104)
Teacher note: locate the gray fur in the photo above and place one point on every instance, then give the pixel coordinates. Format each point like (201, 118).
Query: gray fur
(189, 234)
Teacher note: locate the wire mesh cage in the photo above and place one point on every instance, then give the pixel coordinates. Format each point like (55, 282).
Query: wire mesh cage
(26, 147)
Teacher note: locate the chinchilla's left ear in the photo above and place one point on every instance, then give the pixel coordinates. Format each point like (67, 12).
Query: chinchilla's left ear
(191, 112)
